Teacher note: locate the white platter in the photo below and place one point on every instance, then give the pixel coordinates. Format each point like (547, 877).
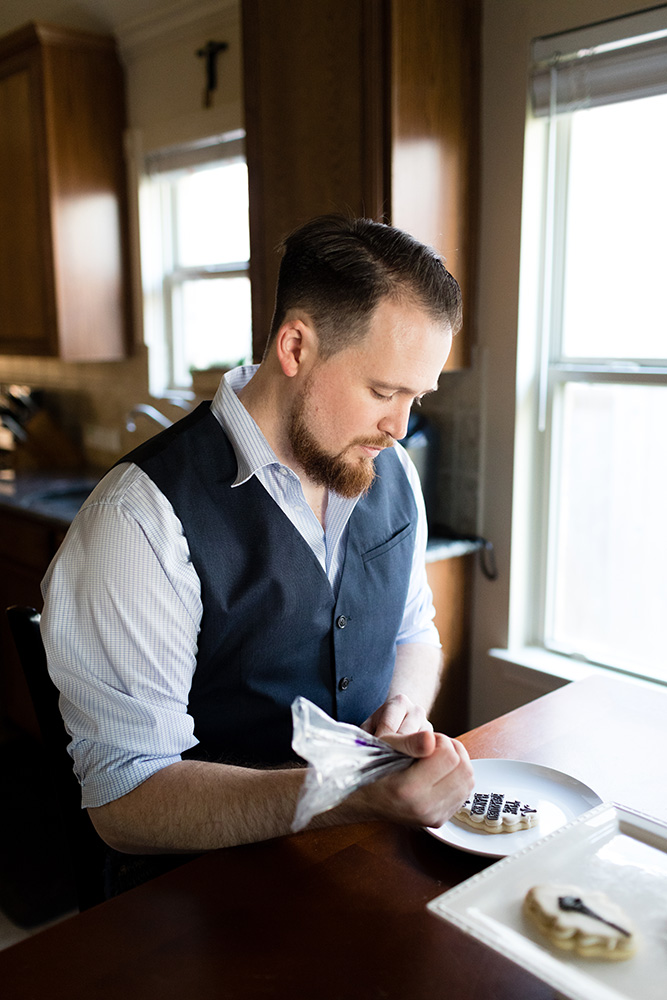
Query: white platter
(559, 797)
(609, 848)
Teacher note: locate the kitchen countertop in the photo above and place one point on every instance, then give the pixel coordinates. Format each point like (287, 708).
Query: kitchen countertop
(47, 496)
(57, 496)
(440, 547)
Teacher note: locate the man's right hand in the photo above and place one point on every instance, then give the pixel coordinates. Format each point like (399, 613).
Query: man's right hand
(427, 793)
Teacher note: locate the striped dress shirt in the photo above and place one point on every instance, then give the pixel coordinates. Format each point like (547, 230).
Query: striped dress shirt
(122, 606)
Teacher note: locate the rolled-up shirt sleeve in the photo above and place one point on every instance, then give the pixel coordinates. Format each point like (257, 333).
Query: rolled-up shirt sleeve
(120, 622)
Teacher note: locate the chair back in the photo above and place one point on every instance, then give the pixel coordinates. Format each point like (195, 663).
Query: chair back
(87, 849)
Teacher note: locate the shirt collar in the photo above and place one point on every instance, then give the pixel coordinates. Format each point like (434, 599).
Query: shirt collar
(252, 450)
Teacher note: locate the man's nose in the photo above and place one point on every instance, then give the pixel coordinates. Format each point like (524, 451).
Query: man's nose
(395, 422)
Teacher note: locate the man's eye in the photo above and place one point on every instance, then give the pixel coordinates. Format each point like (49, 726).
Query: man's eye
(379, 395)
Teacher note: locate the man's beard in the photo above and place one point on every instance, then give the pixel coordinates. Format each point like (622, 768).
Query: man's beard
(347, 477)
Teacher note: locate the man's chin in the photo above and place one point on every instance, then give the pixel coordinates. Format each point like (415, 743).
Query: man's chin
(349, 474)
(355, 479)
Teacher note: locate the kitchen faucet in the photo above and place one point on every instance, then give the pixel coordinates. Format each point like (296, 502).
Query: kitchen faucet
(148, 411)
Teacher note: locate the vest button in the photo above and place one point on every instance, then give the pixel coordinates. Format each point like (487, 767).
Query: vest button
(343, 683)
(341, 621)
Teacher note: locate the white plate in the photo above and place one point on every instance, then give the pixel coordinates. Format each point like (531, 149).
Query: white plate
(559, 797)
(609, 848)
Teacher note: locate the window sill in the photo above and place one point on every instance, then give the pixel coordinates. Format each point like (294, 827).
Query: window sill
(544, 671)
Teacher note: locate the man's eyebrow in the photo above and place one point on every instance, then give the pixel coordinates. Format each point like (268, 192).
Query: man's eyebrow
(404, 390)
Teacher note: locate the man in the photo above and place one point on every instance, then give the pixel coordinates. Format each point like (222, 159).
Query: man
(265, 546)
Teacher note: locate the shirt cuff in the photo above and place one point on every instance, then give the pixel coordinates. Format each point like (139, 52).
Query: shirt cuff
(108, 777)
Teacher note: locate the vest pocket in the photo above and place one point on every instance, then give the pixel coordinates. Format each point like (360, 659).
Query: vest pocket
(402, 535)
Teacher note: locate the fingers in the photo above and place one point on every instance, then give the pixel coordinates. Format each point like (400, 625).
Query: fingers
(420, 744)
(398, 715)
(430, 791)
(451, 788)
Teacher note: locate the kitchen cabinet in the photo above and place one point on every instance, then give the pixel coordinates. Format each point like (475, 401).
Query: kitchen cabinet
(27, 545)
(451, 581)
(63, 248)
(368, 107)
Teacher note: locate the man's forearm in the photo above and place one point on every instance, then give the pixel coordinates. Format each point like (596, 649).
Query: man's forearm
(417, 673)
(198, 806)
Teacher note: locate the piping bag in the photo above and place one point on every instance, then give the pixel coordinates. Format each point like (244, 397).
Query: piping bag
(341, 758)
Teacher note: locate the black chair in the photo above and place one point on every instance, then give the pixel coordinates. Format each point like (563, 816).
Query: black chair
(86, 849)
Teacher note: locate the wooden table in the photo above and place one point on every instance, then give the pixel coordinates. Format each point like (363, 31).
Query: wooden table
(341, 914)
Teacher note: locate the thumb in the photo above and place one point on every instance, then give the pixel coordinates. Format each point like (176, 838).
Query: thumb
(419, 744)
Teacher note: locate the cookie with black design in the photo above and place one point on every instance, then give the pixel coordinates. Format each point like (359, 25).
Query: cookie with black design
(581, 920)
(495, 812)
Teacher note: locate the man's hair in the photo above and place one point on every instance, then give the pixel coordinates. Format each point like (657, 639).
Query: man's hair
(339, 269)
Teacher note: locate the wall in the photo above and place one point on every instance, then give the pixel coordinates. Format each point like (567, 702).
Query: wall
(474, 409)
(157, 42)
(509, 26)
(165, 81)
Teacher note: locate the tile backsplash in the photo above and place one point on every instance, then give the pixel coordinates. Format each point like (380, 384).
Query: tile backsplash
(89, 403)
(454, 410)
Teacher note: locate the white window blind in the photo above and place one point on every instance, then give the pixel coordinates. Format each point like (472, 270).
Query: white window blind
(618, 60)
(227, 147)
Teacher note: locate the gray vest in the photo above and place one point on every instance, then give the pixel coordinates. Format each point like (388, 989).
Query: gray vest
(272, 628)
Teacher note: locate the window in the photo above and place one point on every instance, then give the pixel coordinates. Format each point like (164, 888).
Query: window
(597, 588)
(195, 259)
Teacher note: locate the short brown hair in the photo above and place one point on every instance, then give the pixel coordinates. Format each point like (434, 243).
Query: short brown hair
(338, 270)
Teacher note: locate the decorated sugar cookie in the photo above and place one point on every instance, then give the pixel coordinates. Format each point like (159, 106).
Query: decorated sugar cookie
(580, 920)
(494, 812)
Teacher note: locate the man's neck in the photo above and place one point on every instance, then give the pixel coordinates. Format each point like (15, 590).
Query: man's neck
(317, 498)
(259, 398)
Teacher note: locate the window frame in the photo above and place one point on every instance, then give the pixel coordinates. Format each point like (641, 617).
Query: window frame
(162, 274)
(543, 371)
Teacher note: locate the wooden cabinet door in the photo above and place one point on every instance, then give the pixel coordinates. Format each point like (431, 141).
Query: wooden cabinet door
(27, 319)
(64, 280)
(26, 548)
(367, 107)
(451, 581)
(85, 120)
(315, 124)
(434, 137)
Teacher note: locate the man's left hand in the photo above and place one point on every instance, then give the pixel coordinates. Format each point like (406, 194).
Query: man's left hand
(397, 715)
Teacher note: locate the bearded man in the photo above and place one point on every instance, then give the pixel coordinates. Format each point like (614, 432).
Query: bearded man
(270, 544)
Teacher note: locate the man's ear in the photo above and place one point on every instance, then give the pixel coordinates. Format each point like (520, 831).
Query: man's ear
(296, 343)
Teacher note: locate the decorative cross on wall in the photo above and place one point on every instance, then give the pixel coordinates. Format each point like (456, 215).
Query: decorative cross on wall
(210, 53)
